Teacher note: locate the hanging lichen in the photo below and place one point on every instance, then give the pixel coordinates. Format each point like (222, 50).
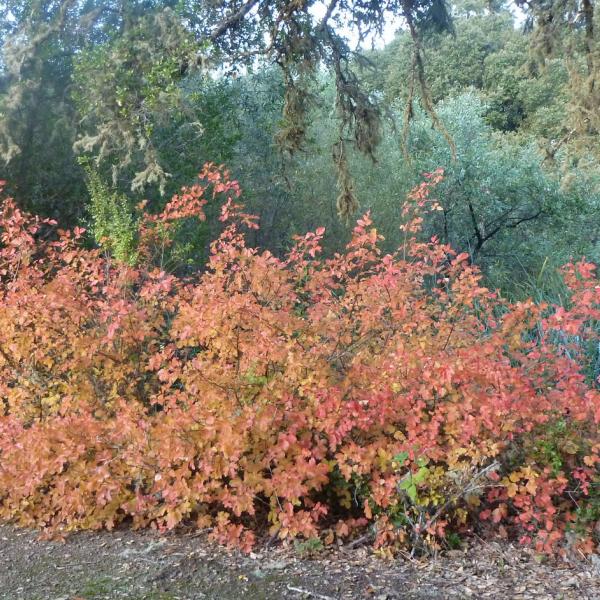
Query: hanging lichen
(346, 202)
(297, 101)
(417, 76)
(569, 29)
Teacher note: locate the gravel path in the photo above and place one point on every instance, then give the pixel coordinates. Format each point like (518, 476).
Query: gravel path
(144, 565)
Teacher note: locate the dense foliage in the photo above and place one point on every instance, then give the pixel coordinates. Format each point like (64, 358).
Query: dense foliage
(302, 395)
(173, 357)
(130, 84)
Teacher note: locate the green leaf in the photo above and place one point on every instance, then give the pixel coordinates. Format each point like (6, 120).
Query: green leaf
(401, 458)
(420, 475)
(405, 483)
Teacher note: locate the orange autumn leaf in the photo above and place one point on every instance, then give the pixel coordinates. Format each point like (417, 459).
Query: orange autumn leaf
(303, 395)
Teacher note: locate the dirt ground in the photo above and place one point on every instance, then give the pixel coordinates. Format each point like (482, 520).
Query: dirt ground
(144, 565)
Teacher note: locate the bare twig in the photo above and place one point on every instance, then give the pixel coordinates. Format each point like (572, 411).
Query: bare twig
(363, 539)
(309, 593)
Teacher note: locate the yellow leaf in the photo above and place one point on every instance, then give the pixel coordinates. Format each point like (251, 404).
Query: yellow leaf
(531, 486)
(512, 489)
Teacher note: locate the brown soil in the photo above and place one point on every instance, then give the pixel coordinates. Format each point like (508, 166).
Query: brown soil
(144, 565)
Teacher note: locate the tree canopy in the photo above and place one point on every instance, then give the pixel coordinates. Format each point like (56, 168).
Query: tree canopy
(106, 75)
(136, 94)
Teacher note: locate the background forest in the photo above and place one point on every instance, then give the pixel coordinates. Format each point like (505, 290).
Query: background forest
(100, 109)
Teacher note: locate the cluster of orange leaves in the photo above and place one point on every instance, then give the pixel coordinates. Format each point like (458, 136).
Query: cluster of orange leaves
(294, 394)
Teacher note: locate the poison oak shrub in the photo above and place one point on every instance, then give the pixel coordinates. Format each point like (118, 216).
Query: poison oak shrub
(311, 397)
